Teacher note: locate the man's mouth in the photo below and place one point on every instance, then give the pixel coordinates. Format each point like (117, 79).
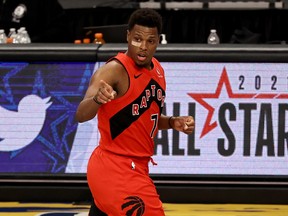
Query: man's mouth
(141, 57)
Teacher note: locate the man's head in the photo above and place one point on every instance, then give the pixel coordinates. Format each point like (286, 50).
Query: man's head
(145, 17)
(144, 28)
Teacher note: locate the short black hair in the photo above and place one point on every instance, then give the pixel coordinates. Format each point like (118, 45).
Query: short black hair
(145, 17)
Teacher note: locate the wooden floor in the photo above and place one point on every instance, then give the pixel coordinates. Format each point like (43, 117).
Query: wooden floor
(70, 209)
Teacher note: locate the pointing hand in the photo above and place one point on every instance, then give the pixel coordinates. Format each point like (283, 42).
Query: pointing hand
(105, 93)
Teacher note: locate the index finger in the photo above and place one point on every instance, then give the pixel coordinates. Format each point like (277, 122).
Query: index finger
(108, 89)
(104, 84)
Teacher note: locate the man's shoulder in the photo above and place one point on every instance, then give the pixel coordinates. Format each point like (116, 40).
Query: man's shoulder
(114, 63)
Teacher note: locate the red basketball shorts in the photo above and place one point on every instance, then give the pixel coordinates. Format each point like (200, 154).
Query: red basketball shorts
(121, 186)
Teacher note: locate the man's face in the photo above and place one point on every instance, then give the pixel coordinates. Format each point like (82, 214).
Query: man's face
(142, 44)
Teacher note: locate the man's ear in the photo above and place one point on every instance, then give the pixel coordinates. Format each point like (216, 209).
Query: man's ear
(128, 34)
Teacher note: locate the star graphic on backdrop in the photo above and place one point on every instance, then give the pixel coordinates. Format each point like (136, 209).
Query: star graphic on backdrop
(57, 135)
(224, 81)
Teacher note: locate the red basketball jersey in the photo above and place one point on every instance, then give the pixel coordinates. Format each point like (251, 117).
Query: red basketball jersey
(128, 124)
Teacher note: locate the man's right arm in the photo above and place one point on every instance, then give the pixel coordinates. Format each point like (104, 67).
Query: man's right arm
(99, 91)
(88, 107)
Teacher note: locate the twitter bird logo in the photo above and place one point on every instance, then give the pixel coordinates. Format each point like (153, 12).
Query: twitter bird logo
(19, 128)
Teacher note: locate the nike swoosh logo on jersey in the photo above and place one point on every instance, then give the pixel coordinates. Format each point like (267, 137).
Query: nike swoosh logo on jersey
(138, 75)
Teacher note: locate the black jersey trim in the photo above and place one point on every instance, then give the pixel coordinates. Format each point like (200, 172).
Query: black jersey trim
(124, 118)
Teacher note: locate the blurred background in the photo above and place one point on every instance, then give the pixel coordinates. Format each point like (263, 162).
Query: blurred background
(248, 22)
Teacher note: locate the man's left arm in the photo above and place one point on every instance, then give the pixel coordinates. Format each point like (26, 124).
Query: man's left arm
(184, 124)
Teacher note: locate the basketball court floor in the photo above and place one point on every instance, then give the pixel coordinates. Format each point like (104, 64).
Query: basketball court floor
(70, 209)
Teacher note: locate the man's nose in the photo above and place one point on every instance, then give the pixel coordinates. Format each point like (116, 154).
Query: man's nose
(143, 45)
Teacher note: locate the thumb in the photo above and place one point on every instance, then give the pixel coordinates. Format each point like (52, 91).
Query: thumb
(114, 94)
(185, 126)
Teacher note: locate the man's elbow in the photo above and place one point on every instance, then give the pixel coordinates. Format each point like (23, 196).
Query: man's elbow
(80, 117)
(83, 117)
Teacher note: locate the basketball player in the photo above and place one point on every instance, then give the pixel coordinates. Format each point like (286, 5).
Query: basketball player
(127, 94)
